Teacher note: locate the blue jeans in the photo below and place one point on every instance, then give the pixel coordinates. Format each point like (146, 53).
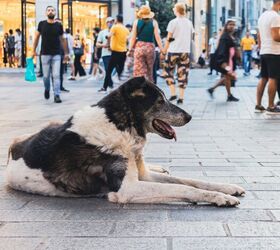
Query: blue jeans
(247, 57)
(51, 66)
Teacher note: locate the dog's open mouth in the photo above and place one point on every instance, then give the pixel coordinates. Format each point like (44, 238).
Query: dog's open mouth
(164, 129)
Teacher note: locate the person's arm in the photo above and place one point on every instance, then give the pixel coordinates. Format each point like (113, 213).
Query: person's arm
(259, 41)
(167, 43)
(99, 43)
(133, 37)
(275, 33)
(35, 44)
(157, 36)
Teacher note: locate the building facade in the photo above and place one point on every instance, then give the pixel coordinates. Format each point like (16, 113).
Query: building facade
(81, 16)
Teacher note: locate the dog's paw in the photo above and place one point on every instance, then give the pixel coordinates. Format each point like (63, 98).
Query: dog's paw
(222, 200)
(159, 169)
(113, 197)
(233, 189)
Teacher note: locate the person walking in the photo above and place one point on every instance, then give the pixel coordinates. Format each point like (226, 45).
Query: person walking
(269, 42)
(247, 44)
(103, 44)
(70, 46)
(18, 48)
(225, 60)
(95, 69)
(118, 44)
(11, 48)
(78, 48)
(212, 46)
(178, 46)
(52, 41)
(5, 49)
(144, 33)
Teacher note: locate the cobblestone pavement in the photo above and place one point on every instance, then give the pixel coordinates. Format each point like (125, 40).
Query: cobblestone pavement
(225, 142)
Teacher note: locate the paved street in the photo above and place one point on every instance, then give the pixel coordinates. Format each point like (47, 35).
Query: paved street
(225, 142)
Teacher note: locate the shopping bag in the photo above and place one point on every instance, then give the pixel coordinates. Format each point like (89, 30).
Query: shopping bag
(30, 72)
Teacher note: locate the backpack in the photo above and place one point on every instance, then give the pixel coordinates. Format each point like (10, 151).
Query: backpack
(11, 42)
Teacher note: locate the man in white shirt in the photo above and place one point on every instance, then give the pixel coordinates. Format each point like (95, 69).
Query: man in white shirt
(212, 46)
(269, 42)
(18, 49)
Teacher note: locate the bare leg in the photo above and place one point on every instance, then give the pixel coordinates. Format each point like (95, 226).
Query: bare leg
(228, 84)
(272, 88)
(219, 83)
(260, 90)
(172, 89)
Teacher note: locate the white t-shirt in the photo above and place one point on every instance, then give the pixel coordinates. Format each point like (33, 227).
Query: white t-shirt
(213, 43)
(102, 39)
(269, 19)
(18, 41)
(182, 31)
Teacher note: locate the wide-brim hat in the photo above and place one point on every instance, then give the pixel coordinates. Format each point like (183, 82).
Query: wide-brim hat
(145, 12)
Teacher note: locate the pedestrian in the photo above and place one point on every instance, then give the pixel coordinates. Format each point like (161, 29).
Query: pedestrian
(225, 60)
(78, 52)
(18, 47)
(5, 49)
(269, 41)
(52, 41)
(11, 48)
(63, 63)
(103, 44)
(202, 58)
(144, 33)
(247, 44)
(95, 68)
(70, 46)
(118, 44)
(212, 46)
(178, 48)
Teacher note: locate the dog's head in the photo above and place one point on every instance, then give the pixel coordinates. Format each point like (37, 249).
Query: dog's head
(141, 104)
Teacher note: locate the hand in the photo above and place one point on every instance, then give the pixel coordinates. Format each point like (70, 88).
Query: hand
(129, 53)
(66, 58)
(33, 54)
(162, 56)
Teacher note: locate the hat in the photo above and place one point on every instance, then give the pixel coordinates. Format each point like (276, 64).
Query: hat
(109, 19)
(145, 12)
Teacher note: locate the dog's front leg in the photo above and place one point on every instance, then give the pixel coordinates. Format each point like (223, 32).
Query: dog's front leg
(230, 189)
(151, 192)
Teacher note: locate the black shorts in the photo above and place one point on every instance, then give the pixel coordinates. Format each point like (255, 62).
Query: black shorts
(11, 51)
(270, 66)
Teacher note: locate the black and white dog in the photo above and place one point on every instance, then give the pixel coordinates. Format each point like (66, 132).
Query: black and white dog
(99, 151)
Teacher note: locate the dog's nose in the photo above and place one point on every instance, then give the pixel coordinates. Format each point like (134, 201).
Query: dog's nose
(188, 118)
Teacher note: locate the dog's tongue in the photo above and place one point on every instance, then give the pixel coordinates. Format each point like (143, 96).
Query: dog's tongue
(169, 129)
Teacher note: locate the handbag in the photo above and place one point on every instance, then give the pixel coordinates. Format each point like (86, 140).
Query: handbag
(30, 72)
(78, 51)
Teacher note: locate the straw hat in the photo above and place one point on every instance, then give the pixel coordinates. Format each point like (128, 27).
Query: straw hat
(145, 12)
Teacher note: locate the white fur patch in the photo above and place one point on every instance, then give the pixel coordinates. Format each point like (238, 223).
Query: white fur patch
(21, 177)
(93, 124)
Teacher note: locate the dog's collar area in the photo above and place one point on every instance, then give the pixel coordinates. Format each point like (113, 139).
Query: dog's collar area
(164, 129)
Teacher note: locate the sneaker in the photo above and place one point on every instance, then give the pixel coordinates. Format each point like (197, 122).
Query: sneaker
(102, 90)
(57, 99)
(65, 90)
(72, 79)
(231, 98)
(210, 74)
(210, 92)
(172, 98)
(259, 109)
(273, 111)
(92, 78)
(180, 101)
(47, 94)
(245, 74)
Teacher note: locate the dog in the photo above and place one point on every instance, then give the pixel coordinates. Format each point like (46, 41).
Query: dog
(99, 152)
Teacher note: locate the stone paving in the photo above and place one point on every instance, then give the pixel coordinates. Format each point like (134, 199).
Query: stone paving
(225, 142)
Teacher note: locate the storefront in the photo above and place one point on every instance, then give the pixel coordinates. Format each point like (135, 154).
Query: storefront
(16, 14)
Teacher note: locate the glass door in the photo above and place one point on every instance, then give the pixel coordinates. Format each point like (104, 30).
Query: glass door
(28, 23)
(67, 15)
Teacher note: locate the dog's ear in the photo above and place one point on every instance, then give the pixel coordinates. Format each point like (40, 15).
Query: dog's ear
(135, 87)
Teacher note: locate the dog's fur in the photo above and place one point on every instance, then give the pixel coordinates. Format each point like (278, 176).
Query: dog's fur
(98, 151)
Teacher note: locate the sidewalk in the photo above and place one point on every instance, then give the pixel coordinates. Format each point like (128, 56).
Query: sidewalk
(225, 142)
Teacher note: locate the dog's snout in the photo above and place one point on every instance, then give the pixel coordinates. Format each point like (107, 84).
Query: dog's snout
(187, 118)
